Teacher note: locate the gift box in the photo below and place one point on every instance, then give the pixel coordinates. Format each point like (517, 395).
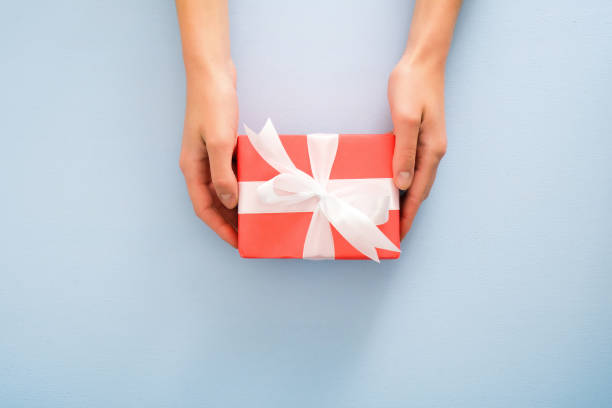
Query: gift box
(316, 196)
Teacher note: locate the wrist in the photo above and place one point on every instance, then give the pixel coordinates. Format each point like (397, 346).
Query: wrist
(414, 62)
(425, 53)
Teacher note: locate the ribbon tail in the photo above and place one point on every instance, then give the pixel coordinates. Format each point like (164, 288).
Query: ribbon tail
(357, 228)
(319, 243)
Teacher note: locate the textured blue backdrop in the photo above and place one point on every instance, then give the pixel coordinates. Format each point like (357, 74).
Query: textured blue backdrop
(113, 294)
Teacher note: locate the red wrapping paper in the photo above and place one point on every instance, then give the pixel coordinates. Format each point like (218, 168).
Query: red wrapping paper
(282, 235)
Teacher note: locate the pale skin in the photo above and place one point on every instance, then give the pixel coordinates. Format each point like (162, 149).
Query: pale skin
(415, 92)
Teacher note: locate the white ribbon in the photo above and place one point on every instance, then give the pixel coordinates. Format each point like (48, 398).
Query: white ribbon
(353, 206)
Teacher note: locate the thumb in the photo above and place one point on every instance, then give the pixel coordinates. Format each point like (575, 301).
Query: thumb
(406, 137)
(221, 172)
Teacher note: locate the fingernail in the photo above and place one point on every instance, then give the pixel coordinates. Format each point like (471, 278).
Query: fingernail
(403, 180)
(226, 199)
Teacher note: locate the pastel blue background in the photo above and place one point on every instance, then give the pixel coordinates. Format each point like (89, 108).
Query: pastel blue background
(113, 294)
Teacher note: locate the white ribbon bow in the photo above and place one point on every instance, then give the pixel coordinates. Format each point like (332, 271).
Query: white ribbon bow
(353, 207)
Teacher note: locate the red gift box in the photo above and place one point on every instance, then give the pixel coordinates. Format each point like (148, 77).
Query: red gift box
(277, 225)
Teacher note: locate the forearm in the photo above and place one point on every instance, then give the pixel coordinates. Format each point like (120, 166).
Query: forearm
(204, 26)
(431, 31)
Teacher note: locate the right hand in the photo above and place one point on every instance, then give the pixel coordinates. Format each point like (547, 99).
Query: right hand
(416, 99)
(209, 139)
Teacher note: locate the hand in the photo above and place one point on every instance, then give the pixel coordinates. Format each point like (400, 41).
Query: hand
(416, 99)
(209, 139)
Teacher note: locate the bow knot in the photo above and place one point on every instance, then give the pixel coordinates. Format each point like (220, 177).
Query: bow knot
(322, 195)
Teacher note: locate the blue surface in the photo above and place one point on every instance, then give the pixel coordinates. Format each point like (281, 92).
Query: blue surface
(113, 294)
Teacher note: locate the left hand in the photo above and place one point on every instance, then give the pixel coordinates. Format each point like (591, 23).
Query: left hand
(209, 138)
(416, 99)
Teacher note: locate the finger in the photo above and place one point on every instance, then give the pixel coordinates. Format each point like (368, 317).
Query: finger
(203, 202)
(411, 202)
(406, 137)
(425, 173)
(431, 183)
(223, 177)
